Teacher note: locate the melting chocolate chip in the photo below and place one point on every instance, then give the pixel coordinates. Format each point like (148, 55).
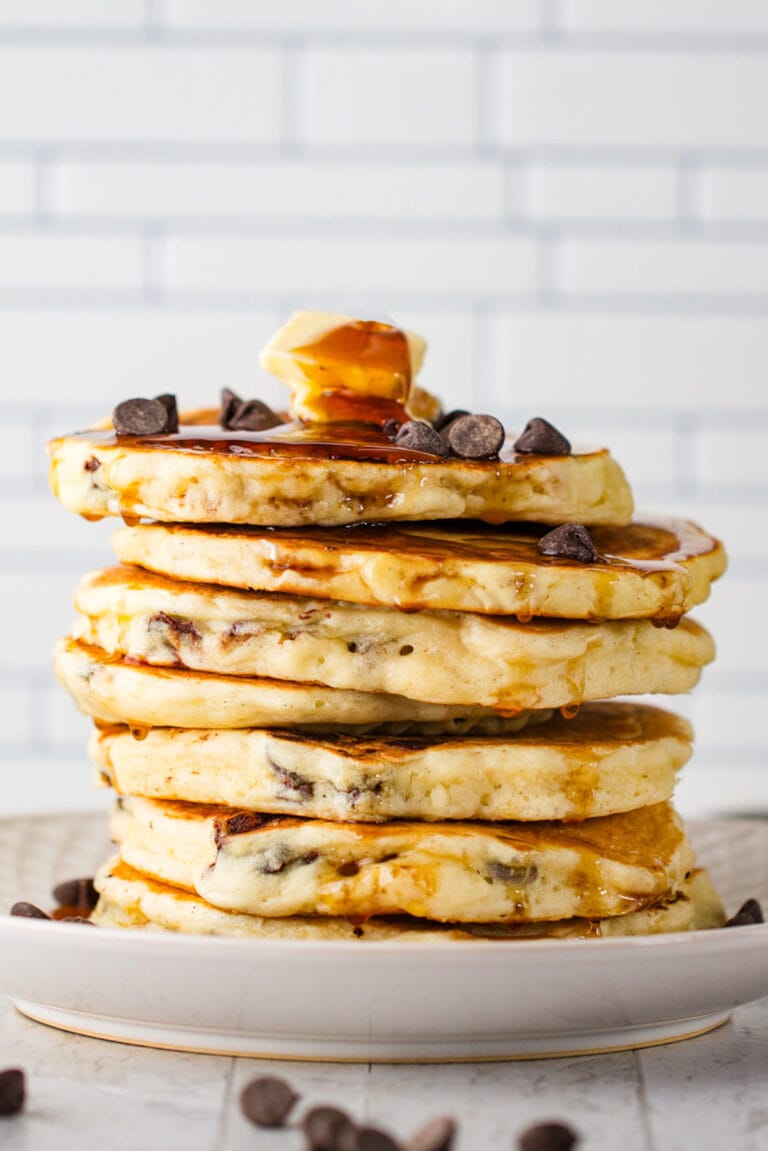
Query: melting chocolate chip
(92, 464)
(267, 1101)
(749, 912)
(140, 417)
(168, 400)
(475, 437)
(12, 1091)
(437, 1135)
(547, 1137)
(418, 436)
(446, 418)
(349, 868)
(238, 824)
(570, 542)
(328, 1129)
(512, 874)
(246, 415)
(372, 1139)
(28, 911)
(541, 438)
(79, 893)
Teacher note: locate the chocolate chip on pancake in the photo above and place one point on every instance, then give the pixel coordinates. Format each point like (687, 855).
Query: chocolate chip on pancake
(168, 400)
(475, 437)
(419, 436)
(140, 417)
(445, 419)
(267, 1101)
(541, 438)
(436, 1135)
(12, 1091)
(749, 913)
(570, 542)
(245, 415)
(28, 911)
(547, 1137)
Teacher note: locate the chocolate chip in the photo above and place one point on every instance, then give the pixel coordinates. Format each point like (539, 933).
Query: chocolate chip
(418, 436)
(240, 823)
(230, 402)
(475, 437)
(372, 1139)
(328, 1129)
(267, 1101)
(391, 428)
(749, 912)
(547, 1137)
(445, 418)
(12, 1091)
(168, 400)
(28, 911)
(437, 1135)
(92, 464)
(541, 438)
(246, 415)
(349, 868)
(78, 893)
(141, 418)
(570, 542)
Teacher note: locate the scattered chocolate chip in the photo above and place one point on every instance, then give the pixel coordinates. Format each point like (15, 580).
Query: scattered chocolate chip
(267, 1101)
(78, 893)
(28, 911)
(541, 438)
(749, 912)
(328, 1129)
(418, 436)
(475, 437)
(570, 542)
(92, 464)
(437, 1135)
(168, 400)
(547, 1137)
(245, 415)
(12, 1091)
(372, 1139)
(445, 418)
(141, 418)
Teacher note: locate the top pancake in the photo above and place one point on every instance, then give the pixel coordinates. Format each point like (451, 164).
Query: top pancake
(327, 474)
(656, 570)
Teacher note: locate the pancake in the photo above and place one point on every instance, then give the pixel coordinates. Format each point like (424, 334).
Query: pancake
(130, 899)
(322, 474)
(655, 570)
(277, 866)
(116, 690)
(611, 757)
(456, 658)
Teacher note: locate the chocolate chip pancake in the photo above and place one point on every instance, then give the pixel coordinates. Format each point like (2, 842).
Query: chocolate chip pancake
(653, 569)
(611, 757)
(456, 658)
(276, 866)
(130, 899)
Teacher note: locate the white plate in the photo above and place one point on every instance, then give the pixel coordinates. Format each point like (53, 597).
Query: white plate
(372, 1001)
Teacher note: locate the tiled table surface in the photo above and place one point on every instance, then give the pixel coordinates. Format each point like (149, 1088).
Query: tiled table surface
(709, 1092)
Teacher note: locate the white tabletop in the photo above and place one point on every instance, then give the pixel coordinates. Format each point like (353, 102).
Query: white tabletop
(710, 1092)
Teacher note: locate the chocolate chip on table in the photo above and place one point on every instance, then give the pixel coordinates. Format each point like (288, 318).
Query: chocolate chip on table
(547, 1137)
(749, 912)
(541, 438)
(246, 415)
(437, 1135)
(328, 1129)
(475, 437)
(12, 1091)
(418, 436)
(570, 542)
(372, 1139)
(267, 1101)
(79, 893)
(28, 911)
(140, 417)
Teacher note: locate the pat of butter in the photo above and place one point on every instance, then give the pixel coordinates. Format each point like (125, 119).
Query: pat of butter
(332, 361)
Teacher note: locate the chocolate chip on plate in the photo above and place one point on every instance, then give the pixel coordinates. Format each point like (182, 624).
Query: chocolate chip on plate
(475, 437)
(541, 438)
(547, 1137)
(749, 912)
(12, 1091)
(372, 1139)
(78, 893)
(418, 436)
(267, 1101)
(140, 417)
(437, 1135)
(328, 1129)
(570, 542)
(28, 911)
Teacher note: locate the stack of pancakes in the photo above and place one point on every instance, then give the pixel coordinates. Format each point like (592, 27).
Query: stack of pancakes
(348, 688)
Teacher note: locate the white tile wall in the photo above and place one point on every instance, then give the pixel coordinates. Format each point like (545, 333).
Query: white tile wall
(567, 199)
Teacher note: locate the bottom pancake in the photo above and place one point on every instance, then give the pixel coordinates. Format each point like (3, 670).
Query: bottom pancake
(132, 900)
(278, 866)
